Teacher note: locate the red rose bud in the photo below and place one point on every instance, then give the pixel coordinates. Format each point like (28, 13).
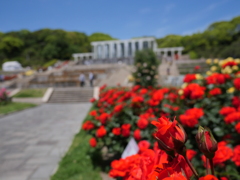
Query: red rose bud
(206, 142)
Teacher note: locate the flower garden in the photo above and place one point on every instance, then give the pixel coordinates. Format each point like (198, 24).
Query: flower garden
(192, 132)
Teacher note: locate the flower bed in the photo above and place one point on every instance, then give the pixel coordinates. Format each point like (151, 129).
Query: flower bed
(211, 100)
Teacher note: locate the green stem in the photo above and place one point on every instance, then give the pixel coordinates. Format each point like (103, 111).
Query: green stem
(191, 167)
(207, 164)
(211, 164)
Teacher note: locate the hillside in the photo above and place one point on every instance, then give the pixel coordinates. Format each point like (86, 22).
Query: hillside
(220, 39)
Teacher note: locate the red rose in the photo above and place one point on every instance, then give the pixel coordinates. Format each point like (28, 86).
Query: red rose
(235, 116)
(176, 176)
(208, 177)
(216, 78)
(191, 116)
(143, 91)
(197, 67)
(190, 154)
(236, 83)
(103, 118)
(193, 91)
(126, 130)
(93, 142)
(237, 127)
(143, 145)
(93, 113)
(137, 134)
(227, 110)
(116, 131)
(142, 123)
(167, 130)
(118, 108)
(223, 153)
(223, 178)
(206, 142)
(88, 125)
(229, 63)
(215, 92)
(92, 100)
(236, 101)
(189, 78)
(101, 132)
(236, 155)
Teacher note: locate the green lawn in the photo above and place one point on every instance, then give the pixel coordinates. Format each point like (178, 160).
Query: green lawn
(14, 106)
(77, 164)
(34, 93)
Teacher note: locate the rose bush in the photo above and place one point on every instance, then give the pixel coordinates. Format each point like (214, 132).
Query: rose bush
(211, 100)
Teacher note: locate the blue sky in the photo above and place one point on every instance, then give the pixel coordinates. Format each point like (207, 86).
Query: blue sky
(121, 19)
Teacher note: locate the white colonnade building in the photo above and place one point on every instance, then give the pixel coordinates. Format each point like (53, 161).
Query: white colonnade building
(114, 51)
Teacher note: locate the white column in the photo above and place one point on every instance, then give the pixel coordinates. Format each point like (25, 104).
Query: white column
(179, 54)
(103, 51)
(95, 52)
(133, 48)
(118, 49)
(140, 44)
(172, 54)
(110, 50)
(126, 48)
(165, 53)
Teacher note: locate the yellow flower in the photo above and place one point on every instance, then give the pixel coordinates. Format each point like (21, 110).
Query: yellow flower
(235, 68)
(180, 92)
(199, 76)
(130, 78)
(237, 61)
(221, 62)
(208, 73)
(208, 61)
(213, 68)
(215, 61)
(184, 85)
(231, 90)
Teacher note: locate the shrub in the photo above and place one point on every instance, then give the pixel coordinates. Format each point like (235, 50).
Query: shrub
(146, 64)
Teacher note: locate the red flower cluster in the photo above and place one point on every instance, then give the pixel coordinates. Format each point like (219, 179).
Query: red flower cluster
(236, 155)
(150, 165)
(236, 83)
(88, 125)
(193, 91)
(189, 78)
(215, 92)
(217, 78)
(191, 116)
(229, 63)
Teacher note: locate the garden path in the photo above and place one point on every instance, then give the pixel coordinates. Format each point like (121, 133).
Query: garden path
(33, 141)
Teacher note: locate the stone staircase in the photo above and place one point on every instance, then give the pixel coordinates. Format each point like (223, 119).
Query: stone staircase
(71, 95)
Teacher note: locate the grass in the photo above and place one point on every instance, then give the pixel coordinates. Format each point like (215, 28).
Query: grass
(14, 106)
(34, 93)
(77, 163)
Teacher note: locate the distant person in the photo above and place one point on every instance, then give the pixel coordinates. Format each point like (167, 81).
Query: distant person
(82, 79)
(91, 78)
(1, 78)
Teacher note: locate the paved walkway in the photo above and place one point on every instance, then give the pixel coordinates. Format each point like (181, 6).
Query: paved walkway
(33, 141)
